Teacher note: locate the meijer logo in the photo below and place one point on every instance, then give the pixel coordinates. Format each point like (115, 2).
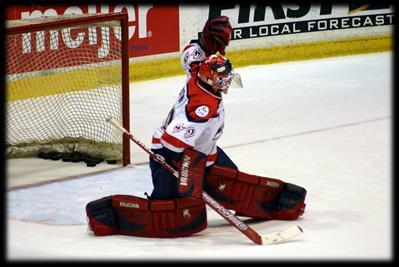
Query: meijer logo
(75, 41)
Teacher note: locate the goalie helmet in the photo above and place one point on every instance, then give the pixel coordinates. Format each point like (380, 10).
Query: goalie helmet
(216, 71)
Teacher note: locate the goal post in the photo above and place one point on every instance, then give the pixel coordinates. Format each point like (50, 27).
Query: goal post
(64, 76)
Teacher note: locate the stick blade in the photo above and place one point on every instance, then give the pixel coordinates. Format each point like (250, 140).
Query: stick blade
(282, 236)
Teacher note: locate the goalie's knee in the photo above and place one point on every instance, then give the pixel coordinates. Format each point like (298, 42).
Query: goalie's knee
(130, 215)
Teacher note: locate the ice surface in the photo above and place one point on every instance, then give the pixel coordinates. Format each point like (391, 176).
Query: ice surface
(323, 124)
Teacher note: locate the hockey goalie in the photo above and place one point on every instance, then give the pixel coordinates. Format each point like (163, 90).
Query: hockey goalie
(187, 140)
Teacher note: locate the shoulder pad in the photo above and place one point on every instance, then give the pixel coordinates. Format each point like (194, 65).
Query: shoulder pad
(192, 53)
(201, 105)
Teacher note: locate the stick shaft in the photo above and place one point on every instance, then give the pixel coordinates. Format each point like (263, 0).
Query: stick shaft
(225, 213)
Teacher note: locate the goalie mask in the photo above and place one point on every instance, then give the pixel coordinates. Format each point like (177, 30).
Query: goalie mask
(216, 71)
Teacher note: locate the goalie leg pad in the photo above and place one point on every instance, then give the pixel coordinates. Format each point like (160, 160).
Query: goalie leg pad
(191, 175)
(130, 215)
(255, 196)
(101, 217)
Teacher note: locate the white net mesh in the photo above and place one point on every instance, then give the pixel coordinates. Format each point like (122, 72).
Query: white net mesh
(61, 85)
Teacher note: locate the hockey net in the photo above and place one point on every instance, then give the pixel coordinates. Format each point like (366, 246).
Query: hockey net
(64, 76)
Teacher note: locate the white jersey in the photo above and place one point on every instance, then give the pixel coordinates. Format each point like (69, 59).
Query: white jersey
(196, 122)
(191, 53)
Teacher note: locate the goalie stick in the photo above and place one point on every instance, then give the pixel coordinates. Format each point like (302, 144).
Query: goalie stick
(273, 238)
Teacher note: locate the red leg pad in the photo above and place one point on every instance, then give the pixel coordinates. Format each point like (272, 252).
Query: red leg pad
(191, 175)
(130, 215)
(255, 196)
(101, 217)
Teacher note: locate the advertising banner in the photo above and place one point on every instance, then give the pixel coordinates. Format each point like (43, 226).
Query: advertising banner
(266, 24)
(153, 28)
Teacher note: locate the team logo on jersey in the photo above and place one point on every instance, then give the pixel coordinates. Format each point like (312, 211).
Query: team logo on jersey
(179, 127)
(197, 54)
(190, 132)
(202, 111)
